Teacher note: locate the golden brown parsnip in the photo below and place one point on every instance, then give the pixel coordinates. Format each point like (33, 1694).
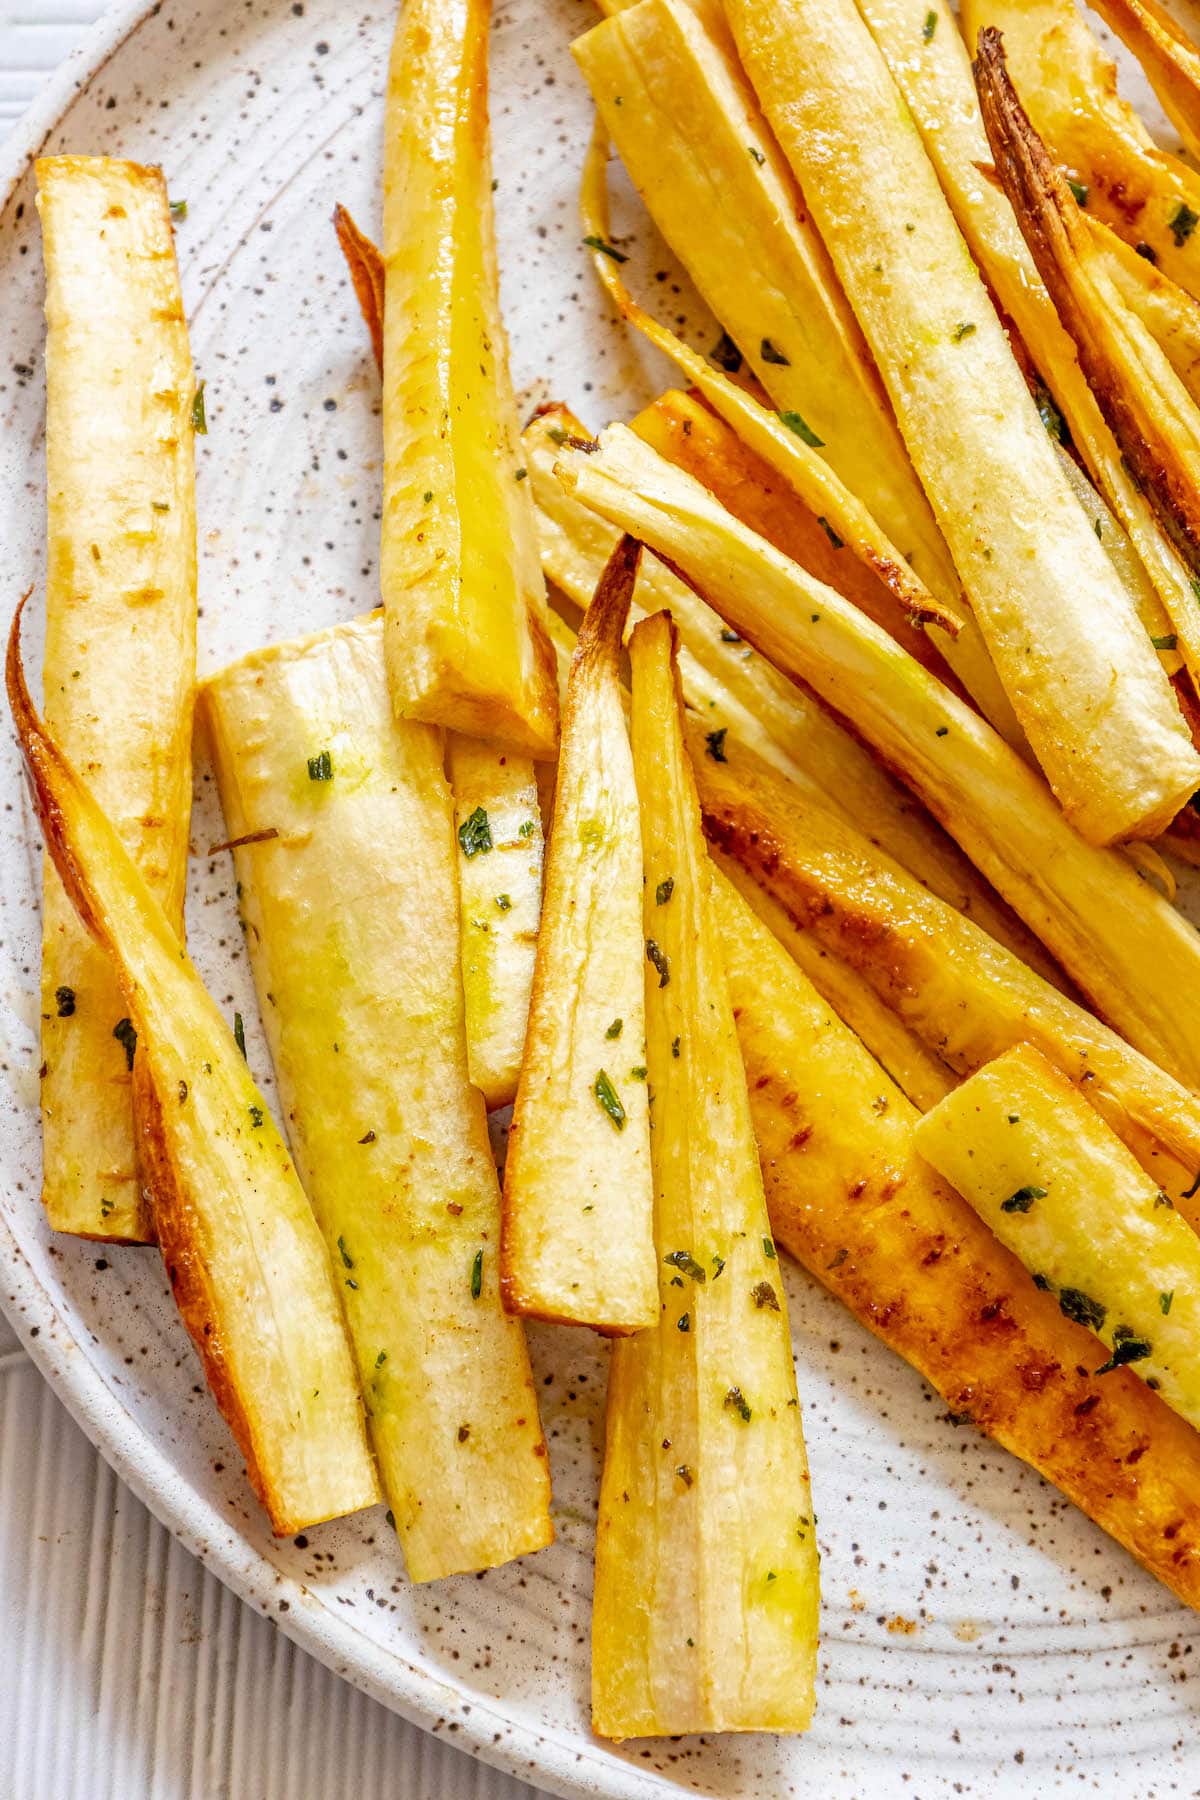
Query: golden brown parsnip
(352, 928)
(578, 1205)
(850, 1198)
(498, 824)
(963, 995)
(1057, 620)
(1169, 57)
(462, 587)
(706, 1596)
(1124, 945)
(248, 1266)
(1068, 86)
(120, 633)
(1061, 1191)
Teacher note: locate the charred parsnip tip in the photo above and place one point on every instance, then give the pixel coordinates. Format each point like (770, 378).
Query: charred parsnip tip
(1061, 1191)
(965, 997)
(1149, 410)
(725, 681)
(1124, 945)
(578, 1205)
(120, 634)
(789, 454)
(851, 1199)
(499, 826)
(249, 1270)
(352, 927)
(929, 62)
(1068, 85)
(1058, 622)
(706, 1592)
(463, 595)
(366, 275)
(675, 102)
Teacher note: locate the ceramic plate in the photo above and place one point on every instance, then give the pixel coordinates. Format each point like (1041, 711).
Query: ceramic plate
(979, 1636)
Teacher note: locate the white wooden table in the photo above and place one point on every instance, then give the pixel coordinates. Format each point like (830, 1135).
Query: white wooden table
(129, 1672)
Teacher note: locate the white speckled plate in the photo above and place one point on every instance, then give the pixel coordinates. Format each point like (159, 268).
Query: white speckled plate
(980, 1637)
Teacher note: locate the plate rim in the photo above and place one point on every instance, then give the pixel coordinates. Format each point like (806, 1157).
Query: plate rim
(577, 1768)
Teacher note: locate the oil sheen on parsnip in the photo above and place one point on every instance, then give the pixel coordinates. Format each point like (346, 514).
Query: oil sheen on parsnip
(350, 907)
(706, 1594)
(120, 634)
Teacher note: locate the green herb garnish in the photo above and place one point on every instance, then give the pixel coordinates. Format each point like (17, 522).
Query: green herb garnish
(347, 1259)
(763, 1294)
(1167, 642)
(126, 1036)
(1080, 190)
(1126, 1349)
(656, 956)
(178, 210)
(504, 902)
(1081, 1308)
(199, 416)
(962, 331)
(614, 1030)
(664, 890)
(757, 154)
(726, 354)
(686, 1262)
(256, 1116)
(930, 26)
(735, 1401)
(239, 1034)
(714, 743)
(803, 430)
(1022, 1200)
(837, 542)
(1183, 222)
(771, 353)
(606, 1095)
(684, 1322)
(477, 1275)
(320, 766)
(1164, 1302)
(64, 1001)
(598, 243)
(475, 833)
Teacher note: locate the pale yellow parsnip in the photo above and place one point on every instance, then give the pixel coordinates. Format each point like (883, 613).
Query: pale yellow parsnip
(462, 588)
(248, 1266)
(352, 928)
(1064, 636)
(578, 1242)
(706, 1592)
(1062, 1192)
(120, 633)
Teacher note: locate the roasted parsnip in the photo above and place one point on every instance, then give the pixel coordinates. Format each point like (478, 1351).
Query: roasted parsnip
(928, 60)
(851, 1199)
(1060, 1190)
(248, 1267)
(120, 634)
(1150, 411)
(705, 1610)
(1170, 316)
(965, 997)
(1124, 945)
(578, 1240)
(691, 135)
(725, 681)
(1058, 622)
(351, 915)
(1068, 86)
(1167, 54)
(462, 588)
(499, 826)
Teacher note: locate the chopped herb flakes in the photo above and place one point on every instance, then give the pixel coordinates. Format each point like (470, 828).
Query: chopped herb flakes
(320, 766)
(1079, 189)
(1167, 642)
(239, 1034)
(256, 1116)
(1050, 416)
(657, 957)
(664, 890)
(527, 829)
(757, 154)
(735, 1401)
(475, 833)
(730, 637)
(837, 542)
(962, 331)
(178, 210)
(1183, 222)
(1161, 1199)
(686, 1262)
(1164, 1302)
(477, 1275)
(614, 1030)
(126, 1036)
(769, 1250)
(557, 435)
(64, 1002)
(610, 250)
(684, 1322)
(1191, 1192)
(640, 1073)
(606, 1096)
(200, 417)
(1022, 1200)
(771, 353)
(685, 1475)
(718, 1265)
(504, 902)
(674, 1046)
(1081, 1308)
(347, 1259)
(521, 475)
(1126, 1349)
(726, 354)
(930, 26)
(838, 1259)
(763, 1294)
(714, 743)
(796, 422)
(368, 1137)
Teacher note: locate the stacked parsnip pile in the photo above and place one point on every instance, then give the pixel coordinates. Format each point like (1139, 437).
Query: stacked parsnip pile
(915, 1013)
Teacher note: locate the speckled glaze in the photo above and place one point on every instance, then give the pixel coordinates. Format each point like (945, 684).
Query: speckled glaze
(980, 1637)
